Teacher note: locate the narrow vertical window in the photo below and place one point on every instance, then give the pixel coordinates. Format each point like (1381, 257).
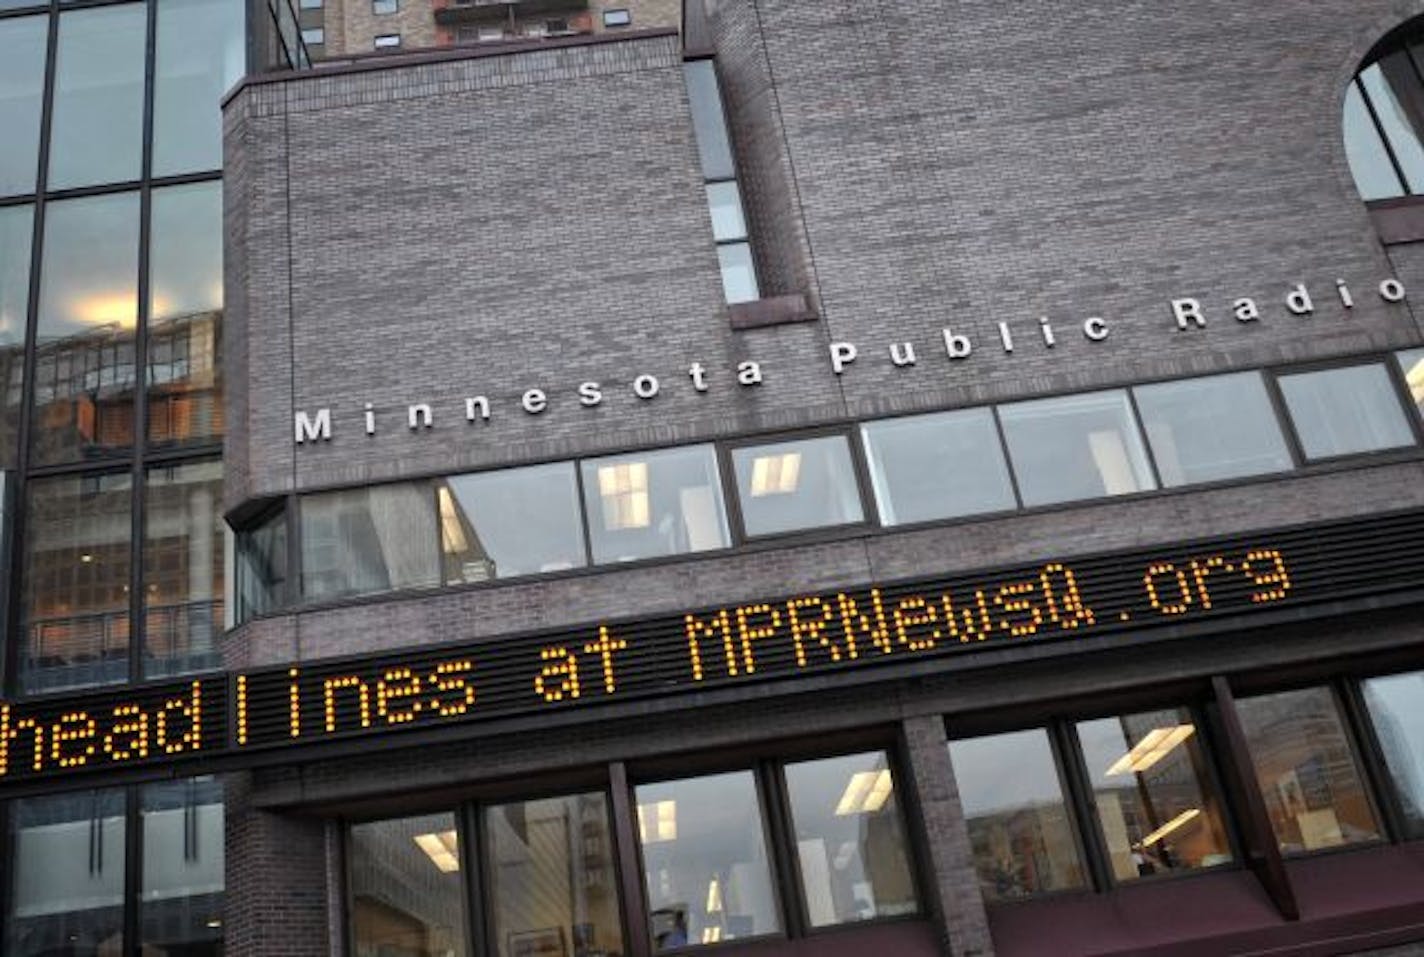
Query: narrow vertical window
(406, 895)
(714, 148)
(1396, 706)
(181, 901)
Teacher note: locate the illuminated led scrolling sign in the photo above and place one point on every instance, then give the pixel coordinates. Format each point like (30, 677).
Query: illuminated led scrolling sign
(259, 716)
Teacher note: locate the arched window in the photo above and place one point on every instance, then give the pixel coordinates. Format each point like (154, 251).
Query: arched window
(1384, 117)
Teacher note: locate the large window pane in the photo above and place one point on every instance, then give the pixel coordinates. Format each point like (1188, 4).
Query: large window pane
(369, 540)
(200, 55)
(185, 316)
(1018, 820)
(1396, 705)
(407, 899)
(183, 568)
(510, 522)
(97, 130)
(796, 485)
(850, 839)
(262, 566)
(76, 607)
(654, 503)
(1156, 802)
(1364, 150)
(704, 861)
(67, 875)
(16, 222)
(1343, 411)
(84, 375)
(181, 902)
(1204, 430)
(1075, 447)
(709, 124)
(551, 877)
(926, 467)
(1305, 766)
(1392, 85)
(22, 56)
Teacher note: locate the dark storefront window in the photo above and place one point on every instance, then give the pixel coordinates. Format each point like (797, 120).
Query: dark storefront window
(705, 862)
(369, 540)
(510, 522)
(1396, 708)
(97, 127)
(791, 486)
(667, 502)
(1019, 823)
(1076, 447)
(1306, 767)
(181, 900)
(552, 884)
(928, 467)
(183, 551)
(22, 56)
(850, 839)
(407, 899)
(1206, 430)
(1344, 411)
(1157, 803)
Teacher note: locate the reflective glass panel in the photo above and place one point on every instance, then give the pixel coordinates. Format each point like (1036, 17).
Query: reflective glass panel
(1075, 447)
(200, 54)
(726, 205)
(1156, 802)
(369, 540)
(22, 61)
(550, 871)
(183, 552)
(1375, 177)
(407, 899)
(76, 607)
(96, 134)
(709, 124)
(181, 901)
(510, 522)
(84, 368)
(739, 281)
(262, 567)
(1018, 821)
(1393, 88)
(16, 222)
(1204, 430)
(850, 839)
(1343, 411)
(1396, 705)
(704, 861)
(1306, 769)
(67, 882)
(653, 504)
(794, 485)
(185, 318)
(1411, 363)
(926, 467)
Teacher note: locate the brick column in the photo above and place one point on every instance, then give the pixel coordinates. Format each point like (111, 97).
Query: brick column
(965, 928)
(276, 900)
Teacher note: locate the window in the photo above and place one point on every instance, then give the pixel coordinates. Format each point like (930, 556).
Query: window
(22, 62)
(261, 572)
(1382, 119)
(96, 133)
(1306, 768)
(388, 41)
(1345, 411)
(314, 36)
(181, 900)
(653, 504)
(1019, 825)
(927, 467)
(383, 7)
(1205, 430)
(489, 34)
(16, 223)
(705, 862)
(183, 548)
(406, 895)
(1157, 805)
(552, 884)
(310, 4)
(850, 839)
(1075, 447)
(1411, 365)
(1396, 707)
(369, 540)
(201, 53)
(796, 485)
(617, 18)
(510, 522)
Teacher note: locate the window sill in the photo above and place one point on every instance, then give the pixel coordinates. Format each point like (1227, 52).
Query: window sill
(775, 311)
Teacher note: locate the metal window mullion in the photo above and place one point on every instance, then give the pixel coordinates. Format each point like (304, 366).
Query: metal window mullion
(1082, 806)
(133, 868)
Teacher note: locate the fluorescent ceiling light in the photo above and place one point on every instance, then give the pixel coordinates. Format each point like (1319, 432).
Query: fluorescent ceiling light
(1152, 748)
(452, 531)
(866, 793)
(711, 935)
(657, 822)
(1170, 826)
(775, 474)
(714, 896)
(442, 849)
(624, 490)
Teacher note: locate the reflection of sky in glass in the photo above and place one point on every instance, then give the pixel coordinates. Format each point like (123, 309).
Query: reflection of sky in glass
(1005, 771)
(200, 52)
(97, 130)
(523, 521)
(22, 53)
(90, 273)
(1396, 707)
(15, 225)
(187, 250)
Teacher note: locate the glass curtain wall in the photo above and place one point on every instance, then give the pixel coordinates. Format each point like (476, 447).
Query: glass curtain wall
(112, 373)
